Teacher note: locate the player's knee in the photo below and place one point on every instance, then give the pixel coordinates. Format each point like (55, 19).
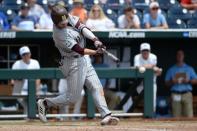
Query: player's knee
(74, 98)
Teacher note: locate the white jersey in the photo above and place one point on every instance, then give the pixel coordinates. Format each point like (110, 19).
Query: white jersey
(139, 61)
(73, 20)
(65, 39)
(19, 64)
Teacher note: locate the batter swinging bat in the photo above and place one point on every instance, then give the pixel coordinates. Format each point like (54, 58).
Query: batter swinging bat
(110, 55)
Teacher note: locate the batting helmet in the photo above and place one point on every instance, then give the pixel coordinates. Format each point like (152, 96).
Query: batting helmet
(58, 14)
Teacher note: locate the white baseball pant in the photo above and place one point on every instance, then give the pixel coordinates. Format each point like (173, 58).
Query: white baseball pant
(78, 71)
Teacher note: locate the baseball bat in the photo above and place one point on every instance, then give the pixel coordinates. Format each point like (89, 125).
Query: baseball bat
(110, 55)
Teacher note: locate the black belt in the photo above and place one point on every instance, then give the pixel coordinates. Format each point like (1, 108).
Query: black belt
(75, 56)
(180, 92)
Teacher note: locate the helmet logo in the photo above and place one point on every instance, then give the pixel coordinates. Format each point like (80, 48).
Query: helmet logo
(63, 17)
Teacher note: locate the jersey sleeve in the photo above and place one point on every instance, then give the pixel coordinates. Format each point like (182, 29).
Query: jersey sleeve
(15, 65)
(75, 22)
(154, 60)
(136, 61)
(37, 65)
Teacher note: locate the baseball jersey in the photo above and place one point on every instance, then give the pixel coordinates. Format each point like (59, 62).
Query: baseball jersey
(75, 22)
(19, 64)
(65, 39)
(139, 61)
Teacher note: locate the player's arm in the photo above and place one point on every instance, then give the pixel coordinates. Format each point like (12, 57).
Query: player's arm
(15, 28)
(86, 51)
(75, 22)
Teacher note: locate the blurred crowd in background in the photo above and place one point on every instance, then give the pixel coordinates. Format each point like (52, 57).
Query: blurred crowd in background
(101, 15)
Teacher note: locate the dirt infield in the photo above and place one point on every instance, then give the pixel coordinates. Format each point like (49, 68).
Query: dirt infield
(93, 125)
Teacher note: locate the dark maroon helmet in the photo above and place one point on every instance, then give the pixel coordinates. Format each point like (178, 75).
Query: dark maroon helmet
(58, 14)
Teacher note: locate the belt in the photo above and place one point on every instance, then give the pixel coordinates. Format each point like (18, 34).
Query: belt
(180, 92)
(75, 56)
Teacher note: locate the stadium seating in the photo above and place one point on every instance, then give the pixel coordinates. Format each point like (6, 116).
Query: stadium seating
(112, 15)
(12, 4)
(171, 9)
(140, 4)
(139, 13)
(10, 13)
(89, 2)
(167, 4)
(179, 13)
(113, 4)
(175, 23)
(194, 15)
(192, 23)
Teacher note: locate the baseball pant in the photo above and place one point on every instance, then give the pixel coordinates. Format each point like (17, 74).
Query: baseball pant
(78, 71)
(62, 87)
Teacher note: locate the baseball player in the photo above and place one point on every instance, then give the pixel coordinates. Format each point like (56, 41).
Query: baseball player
(147, 60)
(21, 86)
(76, 69)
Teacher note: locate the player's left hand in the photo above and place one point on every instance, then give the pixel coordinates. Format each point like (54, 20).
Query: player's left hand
(99, 44)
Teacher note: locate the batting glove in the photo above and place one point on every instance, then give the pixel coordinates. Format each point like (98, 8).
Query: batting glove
(99, 51)
(98, 43)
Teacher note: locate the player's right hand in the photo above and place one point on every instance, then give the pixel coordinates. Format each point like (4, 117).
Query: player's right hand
(99, 51)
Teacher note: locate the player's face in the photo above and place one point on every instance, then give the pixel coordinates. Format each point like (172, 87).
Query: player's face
(26, 57)
(62, 24)
(145, 54)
